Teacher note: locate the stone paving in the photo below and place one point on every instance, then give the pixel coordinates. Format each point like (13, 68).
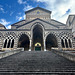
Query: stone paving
(36, 61)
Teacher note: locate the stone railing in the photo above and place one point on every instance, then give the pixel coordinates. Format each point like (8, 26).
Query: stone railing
(8, 53)
(69, 55)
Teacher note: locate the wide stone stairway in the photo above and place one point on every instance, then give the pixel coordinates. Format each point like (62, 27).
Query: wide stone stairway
(36, 61)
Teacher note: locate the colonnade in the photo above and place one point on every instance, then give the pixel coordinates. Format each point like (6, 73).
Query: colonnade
(66, 43)
(8, 43)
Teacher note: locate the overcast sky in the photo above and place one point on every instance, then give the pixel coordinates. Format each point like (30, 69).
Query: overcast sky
(12, 11)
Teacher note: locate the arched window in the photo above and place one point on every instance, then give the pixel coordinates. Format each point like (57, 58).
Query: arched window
(5, 43)
(12, 43)
(62, 43)
(8, 44)
(70, 43)
(66, 43)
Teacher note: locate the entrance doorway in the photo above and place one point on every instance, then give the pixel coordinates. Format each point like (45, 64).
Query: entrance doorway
(37, 47)
(37, 38)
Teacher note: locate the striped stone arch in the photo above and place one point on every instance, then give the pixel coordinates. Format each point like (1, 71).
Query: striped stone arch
(54, 35)
(23, 40)
(26, 33)
(37, 23)
(33, 25)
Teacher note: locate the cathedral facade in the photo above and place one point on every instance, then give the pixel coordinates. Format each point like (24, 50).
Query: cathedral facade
(37, 32)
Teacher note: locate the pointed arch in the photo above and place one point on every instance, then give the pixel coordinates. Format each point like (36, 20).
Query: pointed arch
(33, 26)
(51, 41)
(37, 36)
(24, 42)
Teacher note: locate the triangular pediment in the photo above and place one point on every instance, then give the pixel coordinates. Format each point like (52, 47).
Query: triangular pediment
(37, 8)
(46, 24)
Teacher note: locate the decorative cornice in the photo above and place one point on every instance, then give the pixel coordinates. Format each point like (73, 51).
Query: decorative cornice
(29, 29)
(17, 22)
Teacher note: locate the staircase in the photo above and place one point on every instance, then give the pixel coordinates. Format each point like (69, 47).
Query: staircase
(36, 62)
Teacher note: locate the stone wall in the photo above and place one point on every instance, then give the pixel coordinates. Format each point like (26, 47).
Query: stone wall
(69, 55)
(11, 34)
(8, 53)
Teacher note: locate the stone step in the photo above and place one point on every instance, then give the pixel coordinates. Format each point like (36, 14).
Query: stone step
(36, 61)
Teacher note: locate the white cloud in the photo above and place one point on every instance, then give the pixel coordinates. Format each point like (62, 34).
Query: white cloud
(28, 7)
(11, 13)
(1, 9)
(21, 2)
(19, 18)
(24, 16)
(59, 8)
(19, 13)
(8, 27)
(4, 22)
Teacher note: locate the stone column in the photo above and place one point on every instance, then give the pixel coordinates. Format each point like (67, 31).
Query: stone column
(7, 43)
(68, 43)
(15, 43)
(10, 43)
(59, 43)
(71, 43)
(44, 45)
(30, 45)
(64, 43)
(1, 43)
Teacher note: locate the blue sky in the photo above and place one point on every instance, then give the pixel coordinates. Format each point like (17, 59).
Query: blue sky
(12, 11)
